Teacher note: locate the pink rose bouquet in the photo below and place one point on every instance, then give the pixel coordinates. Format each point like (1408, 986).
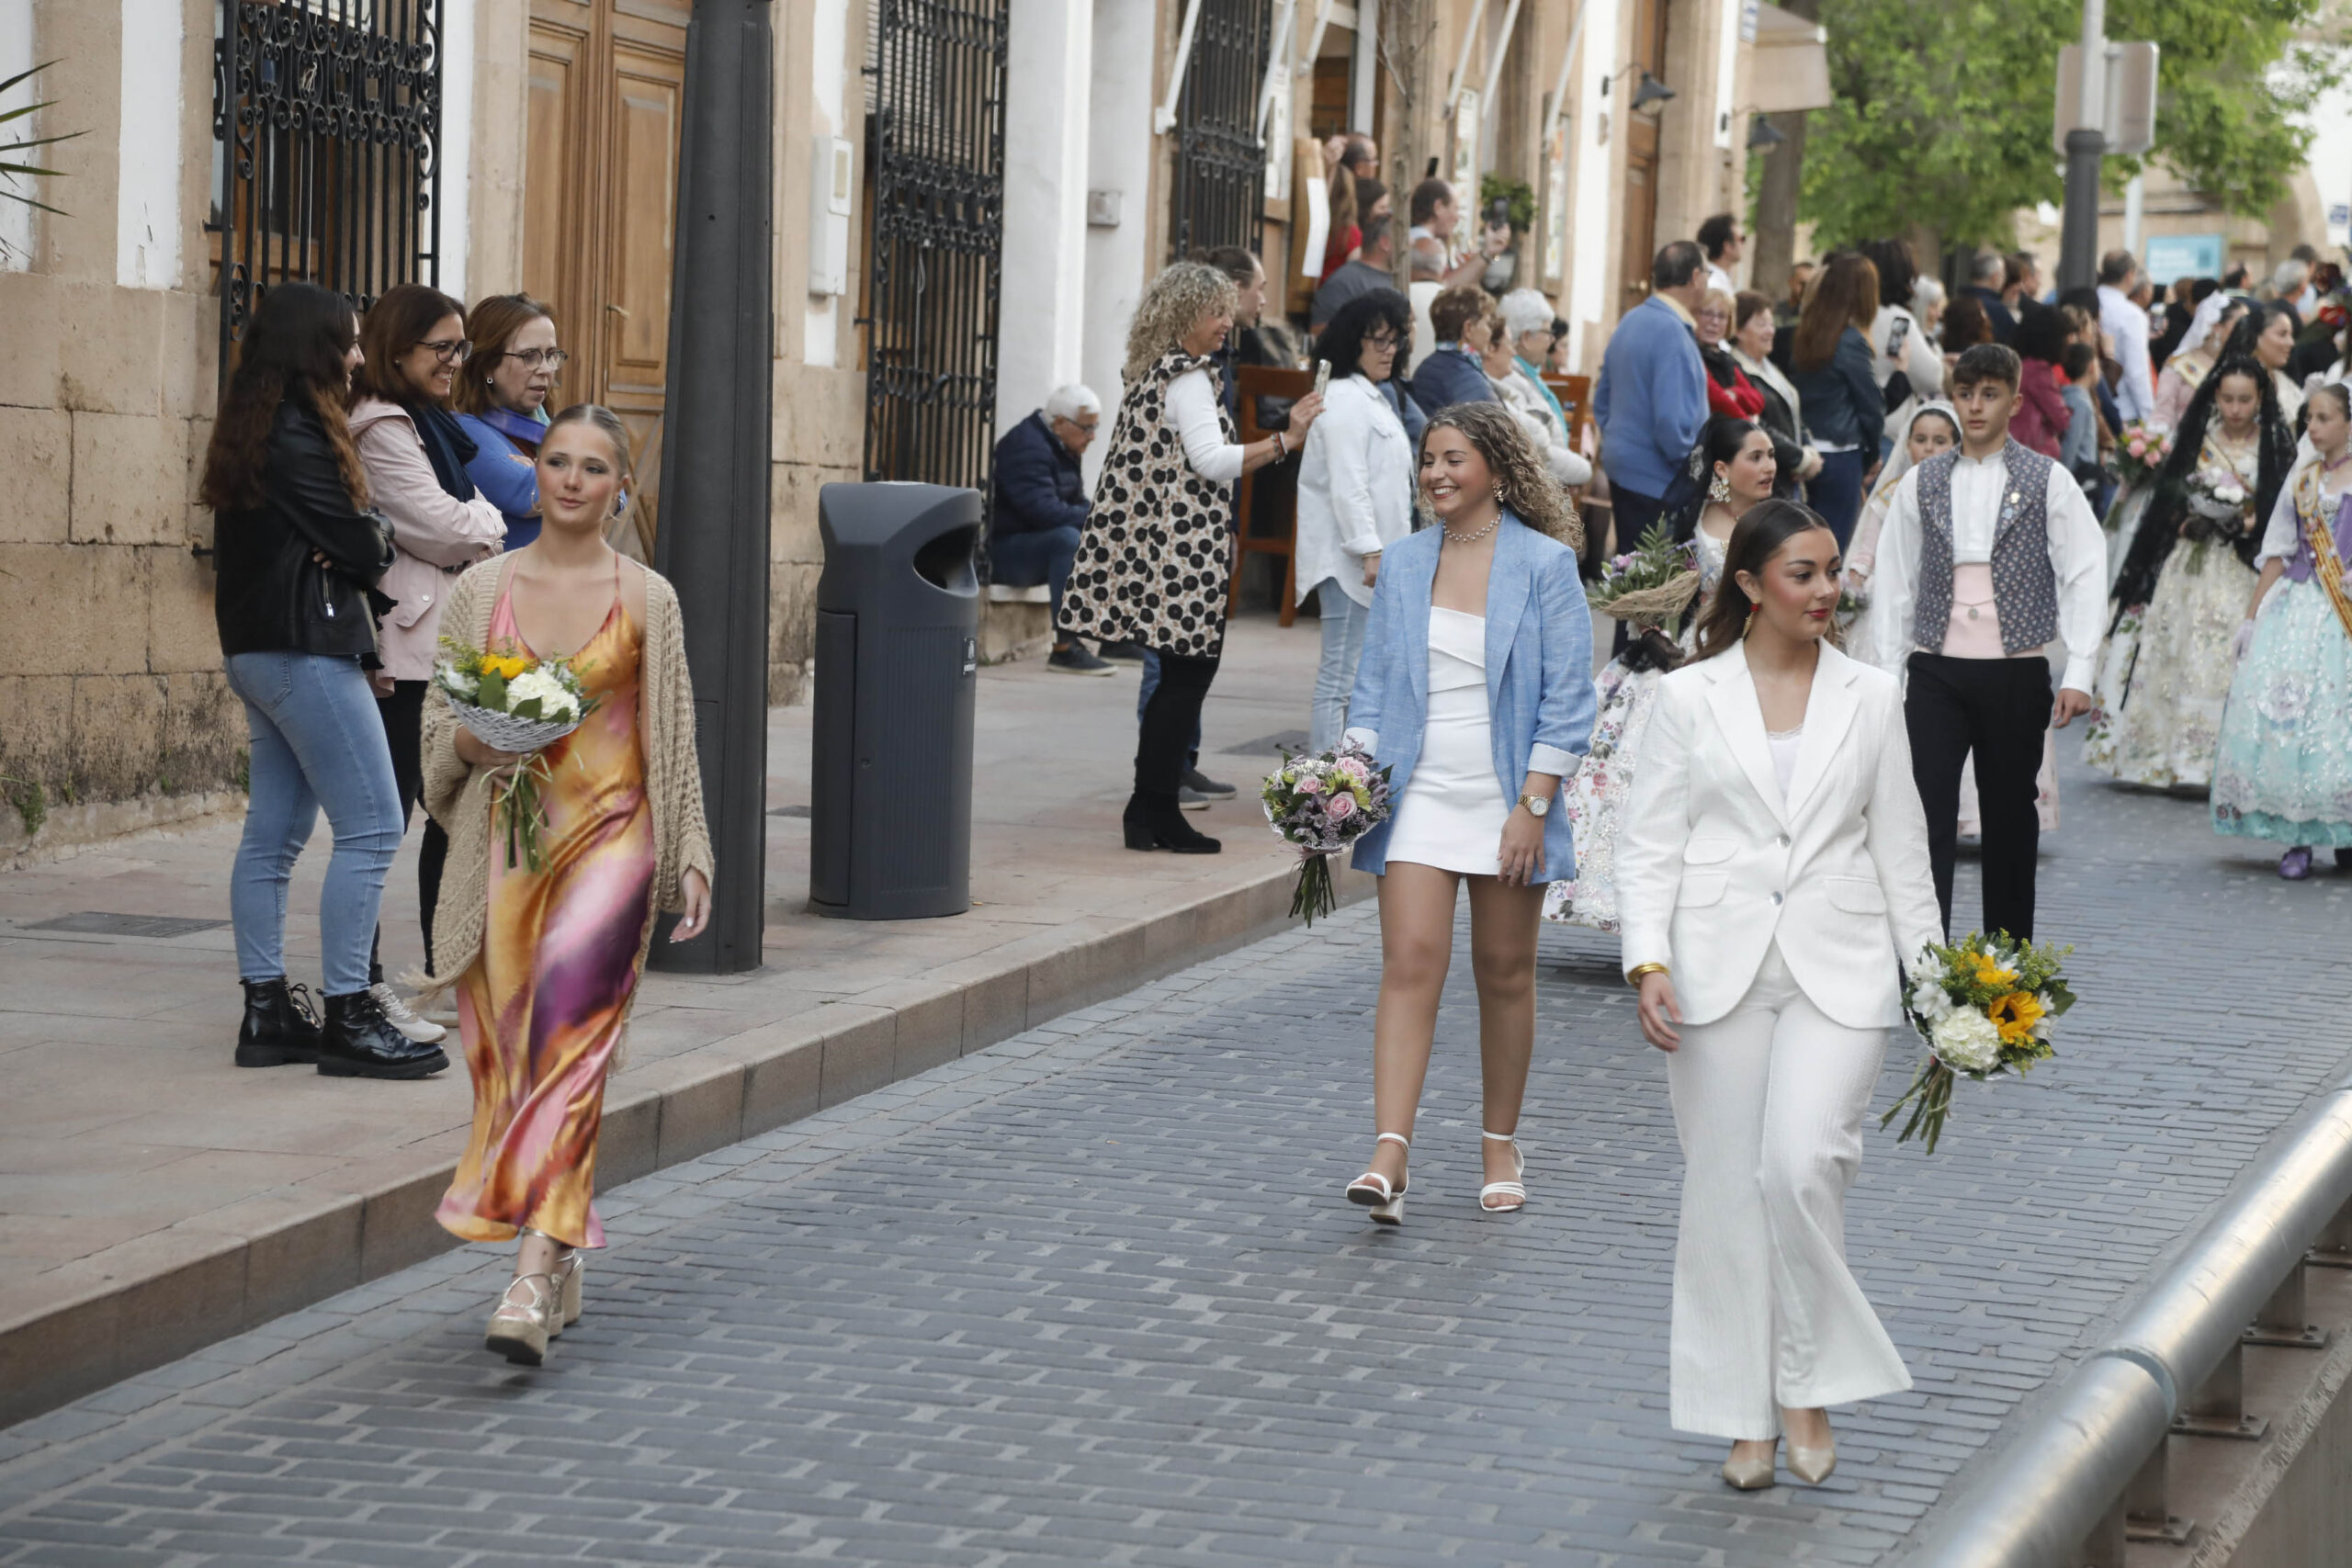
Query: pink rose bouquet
(1321, 806)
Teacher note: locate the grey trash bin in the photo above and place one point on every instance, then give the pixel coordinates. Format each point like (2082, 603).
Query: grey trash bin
(897, 656)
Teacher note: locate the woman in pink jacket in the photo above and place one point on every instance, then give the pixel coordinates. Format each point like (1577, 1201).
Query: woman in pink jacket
(414, 454)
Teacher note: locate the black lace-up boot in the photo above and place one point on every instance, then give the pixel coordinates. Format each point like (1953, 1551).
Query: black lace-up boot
(279, 1026)
(361, 1042)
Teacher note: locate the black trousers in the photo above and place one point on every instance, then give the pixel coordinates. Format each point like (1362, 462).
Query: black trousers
(1170, 721)
(1998, 708)
(404, 715)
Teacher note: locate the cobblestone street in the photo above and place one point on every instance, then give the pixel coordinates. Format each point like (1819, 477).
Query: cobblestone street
(1091, 1296)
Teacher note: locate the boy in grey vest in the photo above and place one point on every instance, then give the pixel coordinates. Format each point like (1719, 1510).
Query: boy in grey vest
(1990, 553)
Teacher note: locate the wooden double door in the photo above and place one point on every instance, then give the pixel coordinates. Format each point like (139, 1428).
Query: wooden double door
(607, 89)
(1647, 31)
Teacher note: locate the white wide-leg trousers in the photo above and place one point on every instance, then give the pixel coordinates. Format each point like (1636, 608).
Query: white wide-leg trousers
(1768, 1101)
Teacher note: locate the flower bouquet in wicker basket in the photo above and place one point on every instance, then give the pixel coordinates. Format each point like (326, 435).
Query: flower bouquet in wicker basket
(1984, 1004)
(517, 703)
(1651, 585)
(1320, 806)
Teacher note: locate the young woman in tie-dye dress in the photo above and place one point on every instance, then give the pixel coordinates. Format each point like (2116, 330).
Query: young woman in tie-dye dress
(546, 962)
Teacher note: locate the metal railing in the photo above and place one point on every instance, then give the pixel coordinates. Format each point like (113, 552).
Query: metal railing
(2091, 1472)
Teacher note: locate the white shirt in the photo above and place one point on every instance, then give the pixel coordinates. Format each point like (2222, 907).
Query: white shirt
(1785, 745)
(2128, 326)
(1192, 403)
(1355, 488)
(1543, 428)
(2077, 557)
(1897, 344)
(1718, 278)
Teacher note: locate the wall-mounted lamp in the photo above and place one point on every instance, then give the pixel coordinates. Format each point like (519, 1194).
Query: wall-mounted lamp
(1650, 92)
(1763, 135)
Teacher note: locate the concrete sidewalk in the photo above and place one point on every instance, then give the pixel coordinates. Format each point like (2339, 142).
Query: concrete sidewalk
(154, 1199)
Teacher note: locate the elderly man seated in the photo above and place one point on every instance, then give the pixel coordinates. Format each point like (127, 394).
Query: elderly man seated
(1041, 506)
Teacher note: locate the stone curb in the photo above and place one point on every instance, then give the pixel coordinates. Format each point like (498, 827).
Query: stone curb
(174, 1291)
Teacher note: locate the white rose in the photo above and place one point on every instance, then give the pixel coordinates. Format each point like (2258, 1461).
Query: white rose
(1967, 1040)
(555, 702)
(1931, 1001)
(456, 679)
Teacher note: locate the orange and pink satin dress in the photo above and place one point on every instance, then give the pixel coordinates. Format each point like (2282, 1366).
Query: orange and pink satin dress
(543, 1009)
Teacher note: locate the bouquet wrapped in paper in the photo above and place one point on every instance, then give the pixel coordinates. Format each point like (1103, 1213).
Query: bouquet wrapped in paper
(2220, 505)
(1650, 585)
(1984, 1004)
(517, 703)
(1320, 806)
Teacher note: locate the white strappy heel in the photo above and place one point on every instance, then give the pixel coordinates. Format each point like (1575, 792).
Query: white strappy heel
(1372, 1189)
(1513, 1189)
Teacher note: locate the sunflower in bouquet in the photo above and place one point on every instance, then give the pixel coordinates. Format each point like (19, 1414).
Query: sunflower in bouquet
(515, 703)
(1985, 1006)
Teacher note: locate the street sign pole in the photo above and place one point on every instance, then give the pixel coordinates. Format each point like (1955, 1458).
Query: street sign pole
(2085, 150)
(711, 539)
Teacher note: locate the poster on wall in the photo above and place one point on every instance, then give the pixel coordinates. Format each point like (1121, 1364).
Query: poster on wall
(2183, 256)
(1315, 229)
(1463, 174)
(1273, 126)
(1555, 204)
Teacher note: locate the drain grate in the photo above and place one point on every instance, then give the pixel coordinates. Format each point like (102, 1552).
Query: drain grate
(93, 922)
(1282, 740)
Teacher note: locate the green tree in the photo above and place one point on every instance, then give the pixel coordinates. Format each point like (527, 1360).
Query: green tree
(1942, 116)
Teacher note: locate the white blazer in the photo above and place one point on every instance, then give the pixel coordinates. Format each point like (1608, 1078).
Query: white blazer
(1713, 864)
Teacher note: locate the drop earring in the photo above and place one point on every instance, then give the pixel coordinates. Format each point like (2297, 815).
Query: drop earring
(1720, 492)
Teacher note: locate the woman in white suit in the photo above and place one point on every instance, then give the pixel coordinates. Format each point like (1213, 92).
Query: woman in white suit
(1771, 874)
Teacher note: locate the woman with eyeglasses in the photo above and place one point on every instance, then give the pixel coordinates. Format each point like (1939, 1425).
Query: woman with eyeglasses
(1354, 492)
(415, 456)
(501, 398)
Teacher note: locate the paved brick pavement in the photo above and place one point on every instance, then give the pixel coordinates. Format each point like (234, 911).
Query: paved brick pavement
(1091, 1297)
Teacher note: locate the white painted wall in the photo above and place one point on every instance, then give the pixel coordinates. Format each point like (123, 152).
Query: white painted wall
(1119, 152)
(1726, 69)
(1589, 233)
(2331, 160)
(17, 54)
(833, 75)
(147, 199)
(459, 44)
(1048, 64)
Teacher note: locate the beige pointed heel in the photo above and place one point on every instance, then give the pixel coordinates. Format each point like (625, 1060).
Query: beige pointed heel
(1812, 1466)
(1750, 1474)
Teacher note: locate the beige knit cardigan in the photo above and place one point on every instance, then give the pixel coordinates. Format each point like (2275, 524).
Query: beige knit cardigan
(460, 798)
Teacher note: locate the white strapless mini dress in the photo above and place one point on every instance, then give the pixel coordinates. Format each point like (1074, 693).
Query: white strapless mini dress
(1451, 812)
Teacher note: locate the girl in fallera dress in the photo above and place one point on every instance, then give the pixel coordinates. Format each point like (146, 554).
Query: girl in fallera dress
(546, 963)
(2284, 767)
(1741, 455)
(1475, 691)
(2166, 670)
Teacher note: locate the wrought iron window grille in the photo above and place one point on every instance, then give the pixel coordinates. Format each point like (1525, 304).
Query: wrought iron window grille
(327, 132)
(935, 87)
(1220, 161)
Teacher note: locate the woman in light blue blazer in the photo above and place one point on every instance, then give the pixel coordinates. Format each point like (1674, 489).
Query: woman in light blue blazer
(1475, 691)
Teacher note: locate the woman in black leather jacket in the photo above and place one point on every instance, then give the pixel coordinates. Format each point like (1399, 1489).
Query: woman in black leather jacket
(298, 555)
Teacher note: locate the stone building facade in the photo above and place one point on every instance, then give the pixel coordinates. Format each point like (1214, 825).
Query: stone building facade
(555, 147)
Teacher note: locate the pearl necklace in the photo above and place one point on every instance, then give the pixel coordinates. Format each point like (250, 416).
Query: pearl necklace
(1454, 539)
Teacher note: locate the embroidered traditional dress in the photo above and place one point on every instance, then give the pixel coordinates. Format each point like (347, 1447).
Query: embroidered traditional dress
(544, 1007)
(2166, 670)
(1596, 796)
(2283, 769)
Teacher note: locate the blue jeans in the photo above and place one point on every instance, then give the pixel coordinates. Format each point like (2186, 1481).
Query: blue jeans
(1836, 493)
(317, 741)
(1335, 676)
(1024, 560)
(1142, 700)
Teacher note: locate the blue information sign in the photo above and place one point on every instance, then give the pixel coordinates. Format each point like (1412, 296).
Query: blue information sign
(2183, 256)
